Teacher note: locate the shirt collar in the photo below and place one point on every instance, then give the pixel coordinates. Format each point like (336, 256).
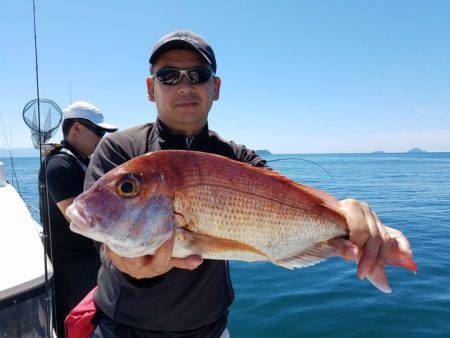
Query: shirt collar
(171, 140)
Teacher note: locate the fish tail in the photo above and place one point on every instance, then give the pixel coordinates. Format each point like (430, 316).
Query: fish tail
(377, 277)
(397, 257)
(401, 258)
(348, 250)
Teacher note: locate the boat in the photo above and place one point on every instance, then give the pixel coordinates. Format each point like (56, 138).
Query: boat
(25, 310)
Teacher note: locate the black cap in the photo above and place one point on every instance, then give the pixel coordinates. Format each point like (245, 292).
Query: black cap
(184, 39)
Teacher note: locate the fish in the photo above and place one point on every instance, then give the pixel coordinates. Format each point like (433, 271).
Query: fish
(217, 208)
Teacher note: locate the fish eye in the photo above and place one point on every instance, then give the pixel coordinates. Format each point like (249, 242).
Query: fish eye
(128, 187)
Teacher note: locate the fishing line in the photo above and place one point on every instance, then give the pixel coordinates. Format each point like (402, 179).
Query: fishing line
(13, 170)
(302, 159)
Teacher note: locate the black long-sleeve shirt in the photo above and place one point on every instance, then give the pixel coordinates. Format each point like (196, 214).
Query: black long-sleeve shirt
(181, 302)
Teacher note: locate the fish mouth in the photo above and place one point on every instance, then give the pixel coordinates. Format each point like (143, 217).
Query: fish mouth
(78, 223)
(81, 224)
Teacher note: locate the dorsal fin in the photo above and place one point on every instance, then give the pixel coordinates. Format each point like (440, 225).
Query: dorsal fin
(322, 197)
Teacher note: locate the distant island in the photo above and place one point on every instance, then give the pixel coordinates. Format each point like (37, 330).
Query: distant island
(378, 152)
(263, 152)
(416, 151)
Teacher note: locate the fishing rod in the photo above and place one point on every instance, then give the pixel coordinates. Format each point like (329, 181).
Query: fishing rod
(41, 131)
(302, 159)
(46, 225)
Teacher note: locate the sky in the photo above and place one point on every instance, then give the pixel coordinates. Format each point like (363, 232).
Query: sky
(297, 76)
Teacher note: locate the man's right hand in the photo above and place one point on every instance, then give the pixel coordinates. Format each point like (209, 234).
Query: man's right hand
(150, 266)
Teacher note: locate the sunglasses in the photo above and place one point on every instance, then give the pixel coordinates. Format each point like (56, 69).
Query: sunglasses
(96, 130)
(172, 76)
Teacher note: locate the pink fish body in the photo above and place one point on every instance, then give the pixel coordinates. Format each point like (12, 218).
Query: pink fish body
(218, 208)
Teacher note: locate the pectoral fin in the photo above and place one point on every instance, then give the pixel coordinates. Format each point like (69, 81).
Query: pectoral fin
(212, 247)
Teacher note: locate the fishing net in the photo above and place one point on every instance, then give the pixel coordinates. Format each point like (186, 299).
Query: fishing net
(43, 126)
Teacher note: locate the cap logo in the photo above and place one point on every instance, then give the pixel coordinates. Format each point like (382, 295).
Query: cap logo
(184, 37)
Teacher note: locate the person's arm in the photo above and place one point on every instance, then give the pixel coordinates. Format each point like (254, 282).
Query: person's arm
(62, 206)
(63, 182)
(243, 154)
(106, 157)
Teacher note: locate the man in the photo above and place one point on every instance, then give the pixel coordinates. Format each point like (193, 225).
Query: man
(162, 296)
(75, 259)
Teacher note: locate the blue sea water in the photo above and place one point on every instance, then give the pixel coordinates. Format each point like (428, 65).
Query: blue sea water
(410, 192)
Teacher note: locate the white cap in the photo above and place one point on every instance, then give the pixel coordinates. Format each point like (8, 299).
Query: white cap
(86, 110)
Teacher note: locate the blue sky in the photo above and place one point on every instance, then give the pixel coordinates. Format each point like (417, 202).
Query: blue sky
(297, 76)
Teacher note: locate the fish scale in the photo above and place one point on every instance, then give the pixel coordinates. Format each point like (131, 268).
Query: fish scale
(241, 203)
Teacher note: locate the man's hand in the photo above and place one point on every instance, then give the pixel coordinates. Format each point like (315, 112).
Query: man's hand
(372, 238)
(153, 265)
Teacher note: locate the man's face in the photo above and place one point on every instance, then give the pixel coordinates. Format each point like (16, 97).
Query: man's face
(91, 141)
(84, 139)
(183, 107)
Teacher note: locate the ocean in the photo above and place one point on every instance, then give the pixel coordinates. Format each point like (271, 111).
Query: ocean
(410, 192)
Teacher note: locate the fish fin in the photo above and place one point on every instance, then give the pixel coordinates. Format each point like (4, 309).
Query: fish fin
(311, 256)
(217, 247)
(326, 199)
(377, 277)
(401, 258)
